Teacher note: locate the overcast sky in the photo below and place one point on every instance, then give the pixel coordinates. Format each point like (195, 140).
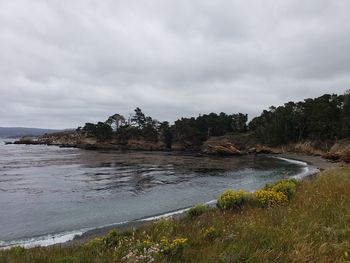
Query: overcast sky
(64, 62)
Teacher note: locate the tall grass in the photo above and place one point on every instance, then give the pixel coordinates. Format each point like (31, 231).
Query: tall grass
(313, 227)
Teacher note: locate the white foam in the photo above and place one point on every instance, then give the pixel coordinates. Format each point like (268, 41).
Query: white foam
(170, 214)
(211, 202)
(166, 215)
(292, 161)
(305, 171)
(42, 241)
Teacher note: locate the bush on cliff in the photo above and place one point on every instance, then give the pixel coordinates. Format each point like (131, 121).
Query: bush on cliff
(287, 187)
(234, 199)
(270, 198)
(197, 210)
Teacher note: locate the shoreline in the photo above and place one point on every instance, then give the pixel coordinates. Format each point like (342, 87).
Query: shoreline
(88, 234)
(315, 161)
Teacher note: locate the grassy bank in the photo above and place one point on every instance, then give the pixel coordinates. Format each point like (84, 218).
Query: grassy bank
(313, 227)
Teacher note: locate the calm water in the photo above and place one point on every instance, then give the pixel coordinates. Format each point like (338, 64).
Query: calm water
(51, 192)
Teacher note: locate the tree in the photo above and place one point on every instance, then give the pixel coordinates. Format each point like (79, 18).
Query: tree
(239, 122)
(166, 133)
(345, 115)
(139, 118)
(102, 131)
(115, 121)
(315, 119)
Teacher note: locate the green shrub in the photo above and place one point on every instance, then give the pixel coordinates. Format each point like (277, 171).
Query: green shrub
(163, 228)
(269, 198)
(287, 187)
(232, 199)
(95, 243)
(211, 234)
(174, 247)
(18, 250)
(111, 239)
(197, 210)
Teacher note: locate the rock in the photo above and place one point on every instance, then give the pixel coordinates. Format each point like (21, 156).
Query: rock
(145, 145)
(333, 156)
(222, 149)
(252, 150)
(262, 149)
(346, 156)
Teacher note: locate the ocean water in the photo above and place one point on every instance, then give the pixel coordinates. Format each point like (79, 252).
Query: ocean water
(49, 194)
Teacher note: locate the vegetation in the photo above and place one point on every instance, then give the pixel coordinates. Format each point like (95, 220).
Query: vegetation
(234, 199)
(272, 195)
(197, 210)
(270, 198)
(313, 227)
(323, 118)
(287, 187)
(102, 131)
(194, 131)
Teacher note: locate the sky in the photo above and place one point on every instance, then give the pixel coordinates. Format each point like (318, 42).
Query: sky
(64, 62)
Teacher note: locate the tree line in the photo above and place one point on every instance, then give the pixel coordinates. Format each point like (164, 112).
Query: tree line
(325, 117)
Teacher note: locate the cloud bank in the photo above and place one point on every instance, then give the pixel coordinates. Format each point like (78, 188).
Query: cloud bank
(63, 63)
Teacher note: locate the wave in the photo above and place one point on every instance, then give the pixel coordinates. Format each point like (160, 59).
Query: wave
(42, 241)
(306, 170)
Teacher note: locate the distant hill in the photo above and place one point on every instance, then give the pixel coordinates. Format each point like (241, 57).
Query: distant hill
(15, 132)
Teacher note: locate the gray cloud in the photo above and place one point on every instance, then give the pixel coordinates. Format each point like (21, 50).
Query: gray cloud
(63, 63)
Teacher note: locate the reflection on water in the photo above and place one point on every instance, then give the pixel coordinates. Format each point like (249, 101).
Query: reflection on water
(51, 190)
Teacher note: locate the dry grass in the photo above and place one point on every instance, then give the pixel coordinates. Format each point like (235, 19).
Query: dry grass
(313, 227)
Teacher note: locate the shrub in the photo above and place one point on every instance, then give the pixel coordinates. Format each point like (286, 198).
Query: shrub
(140, 251)
(232, 199)
(269, 198)
(18, 250)
(287, 187)
(211, 234)
(197, 211)
(111, 239)
(174, 247)
(95, 243)
(163, 227)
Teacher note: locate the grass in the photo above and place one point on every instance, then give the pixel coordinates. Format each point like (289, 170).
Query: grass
(313, 227)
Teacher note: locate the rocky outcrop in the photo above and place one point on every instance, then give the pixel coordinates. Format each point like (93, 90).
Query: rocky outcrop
(229, 145)
(80, 140)
(262, 149)
(69, 138)
(340, 151)
(220, 147)
(145, 145)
